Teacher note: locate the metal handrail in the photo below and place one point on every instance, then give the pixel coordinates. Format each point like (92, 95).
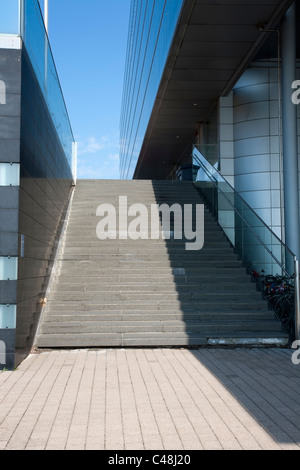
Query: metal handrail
(215, 182)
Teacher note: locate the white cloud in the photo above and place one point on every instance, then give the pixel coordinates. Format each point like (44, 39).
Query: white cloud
(114, 157)
(91, 145)
(106, 171)
(98, 157)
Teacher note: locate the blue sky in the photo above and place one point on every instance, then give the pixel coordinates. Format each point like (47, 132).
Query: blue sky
(89, 40)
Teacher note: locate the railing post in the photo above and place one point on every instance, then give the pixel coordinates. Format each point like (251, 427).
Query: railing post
(289, 133)
(297, 299)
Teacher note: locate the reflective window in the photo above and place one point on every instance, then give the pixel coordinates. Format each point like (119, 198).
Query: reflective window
(8, 315)
(151, 30)
(9, 174)
(2, 92)
(39, 50)
(8, 269)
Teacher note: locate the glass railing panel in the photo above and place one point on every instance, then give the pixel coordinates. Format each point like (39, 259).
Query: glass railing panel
(211, 152)
(254, 254)
(226, 215)
(263, 254)
(244, 228)
(9, 17)
(289, 260)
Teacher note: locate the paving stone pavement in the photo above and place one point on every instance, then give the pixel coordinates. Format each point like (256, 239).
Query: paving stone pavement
(152, 399)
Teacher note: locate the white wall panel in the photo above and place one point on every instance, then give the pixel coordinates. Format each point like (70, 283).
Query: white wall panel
(256, 142)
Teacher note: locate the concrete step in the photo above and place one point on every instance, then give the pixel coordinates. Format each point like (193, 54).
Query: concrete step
(92, 340)
(178, 278)
(155, 315)
(159, 326)
(82, 267)
(175, 275)
(98, 262)
(141, 196)
(90, 239)
(161, 284)
(155, 296)
(149, 256)
(88, 229)
(214, 242)
(96, 306)
(124, 286)
(171, 249)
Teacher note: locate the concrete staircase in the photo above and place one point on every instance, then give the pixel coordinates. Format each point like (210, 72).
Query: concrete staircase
(149, 292)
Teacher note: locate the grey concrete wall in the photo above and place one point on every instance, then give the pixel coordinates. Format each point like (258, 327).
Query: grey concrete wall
(35, 183)
(10, 118)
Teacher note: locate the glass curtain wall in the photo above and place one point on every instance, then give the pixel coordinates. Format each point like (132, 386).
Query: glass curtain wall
(151, 31)
(38, 48)
(24, 18)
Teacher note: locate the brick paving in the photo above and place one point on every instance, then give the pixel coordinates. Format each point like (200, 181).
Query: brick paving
(152, 399)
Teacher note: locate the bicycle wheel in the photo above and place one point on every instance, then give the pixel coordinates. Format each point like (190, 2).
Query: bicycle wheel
(273, 299)
(284, 308)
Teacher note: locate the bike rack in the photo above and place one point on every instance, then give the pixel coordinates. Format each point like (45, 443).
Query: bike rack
(297, 299)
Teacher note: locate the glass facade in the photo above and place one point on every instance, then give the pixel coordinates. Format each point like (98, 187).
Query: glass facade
(151, 31)
(24, 18)
(37, 151)
(38, 48)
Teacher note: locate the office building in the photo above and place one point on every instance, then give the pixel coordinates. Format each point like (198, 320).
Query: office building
(37, 158)
(222, 77)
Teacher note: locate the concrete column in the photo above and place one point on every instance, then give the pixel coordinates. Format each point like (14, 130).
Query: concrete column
(225, 138)
(289, 129)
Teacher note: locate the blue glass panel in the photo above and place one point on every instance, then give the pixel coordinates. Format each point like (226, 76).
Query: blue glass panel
(8, 269)
(9, 174)
(151, 31)
(39, 50)
(8, 315)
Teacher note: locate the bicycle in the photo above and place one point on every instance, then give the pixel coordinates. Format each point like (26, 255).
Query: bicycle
(279, 293)
(284, 309)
